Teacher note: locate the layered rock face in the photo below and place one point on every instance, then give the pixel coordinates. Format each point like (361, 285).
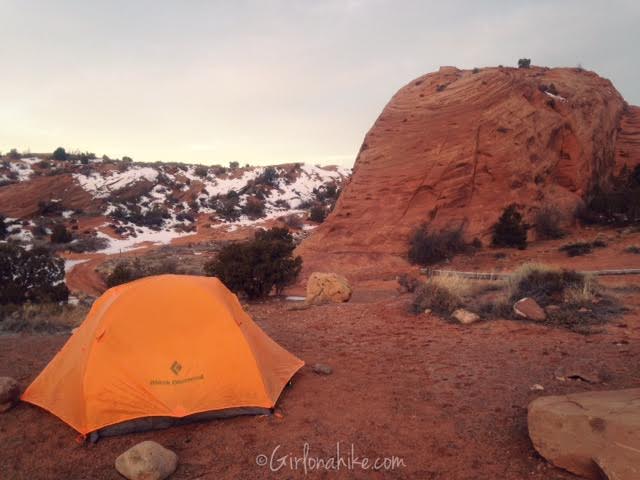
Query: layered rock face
(453, 148)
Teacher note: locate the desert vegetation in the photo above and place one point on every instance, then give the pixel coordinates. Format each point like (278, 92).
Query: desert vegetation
(256, 267)
(510, 230)
(547, 223)
(581, 247)
(568, 298)
(428, 247)
(617, 204)
(129, 270)
(34, 276)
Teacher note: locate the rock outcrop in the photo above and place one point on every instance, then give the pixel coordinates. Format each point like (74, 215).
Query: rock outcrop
(589, 434)
(454, 147)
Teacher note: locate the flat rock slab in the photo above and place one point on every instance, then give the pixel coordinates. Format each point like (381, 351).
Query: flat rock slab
(590, 434)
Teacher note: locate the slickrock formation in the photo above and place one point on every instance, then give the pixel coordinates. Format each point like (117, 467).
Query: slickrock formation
(453, 148)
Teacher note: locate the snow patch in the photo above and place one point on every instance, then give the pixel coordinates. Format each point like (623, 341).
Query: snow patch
(101, 186)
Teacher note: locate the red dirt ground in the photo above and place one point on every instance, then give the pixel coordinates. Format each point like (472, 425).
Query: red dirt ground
(449, 400)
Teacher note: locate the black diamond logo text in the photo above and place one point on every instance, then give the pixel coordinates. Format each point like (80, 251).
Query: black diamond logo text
(176, 367)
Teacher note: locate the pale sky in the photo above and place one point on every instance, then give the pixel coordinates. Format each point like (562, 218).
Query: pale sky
(266, 82)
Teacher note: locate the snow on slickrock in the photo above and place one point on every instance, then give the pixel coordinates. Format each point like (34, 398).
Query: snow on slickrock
(102, 186)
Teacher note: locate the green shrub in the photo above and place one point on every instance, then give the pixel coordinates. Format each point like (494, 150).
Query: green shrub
(617, 204)
(50, 207)
(253, 208)
(269, 177)
(128, 271)
(547, 223)
(255, 267)
(510, 230)
(201, 171)
(524, 63)
(293, 221)
(427, 248)
(633, 249)
(317, 214)
(60, 234)
(88, 244)
(575, 249)
(59, 154)
(227, 207)
(31, 275)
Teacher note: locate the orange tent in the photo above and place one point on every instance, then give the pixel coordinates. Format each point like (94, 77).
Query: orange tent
(163, 346)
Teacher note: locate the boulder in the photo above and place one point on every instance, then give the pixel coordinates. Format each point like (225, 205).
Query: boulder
(589, 434)
(529, 308)
(465, 316)
(327, 287)
(147, 460)
(9, 393)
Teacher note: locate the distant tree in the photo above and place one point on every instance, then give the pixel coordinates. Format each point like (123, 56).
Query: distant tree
(59, 154)
(127, 159)
(30, 275)
(510, 229)
(13, 154)
(60, 234)
(524, 63)
(268, 177)
(234, 165)
(50, 207)
(255, 267)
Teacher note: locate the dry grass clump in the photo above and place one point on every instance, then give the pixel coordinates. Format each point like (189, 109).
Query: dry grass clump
(573, 300)
(41, 318)
(441, 294)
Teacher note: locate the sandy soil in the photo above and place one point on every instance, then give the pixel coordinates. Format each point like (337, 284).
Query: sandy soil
(449, 400)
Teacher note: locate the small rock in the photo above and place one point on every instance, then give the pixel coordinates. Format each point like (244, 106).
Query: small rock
(536, 387)
(147, 460)
(465, 316)
(427, 311)
(529, 308)
(322, 369)
(552, 308)
(584, 310)
(9, 393)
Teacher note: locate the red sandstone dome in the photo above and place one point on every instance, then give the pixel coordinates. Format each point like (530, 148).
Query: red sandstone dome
(454, 147)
